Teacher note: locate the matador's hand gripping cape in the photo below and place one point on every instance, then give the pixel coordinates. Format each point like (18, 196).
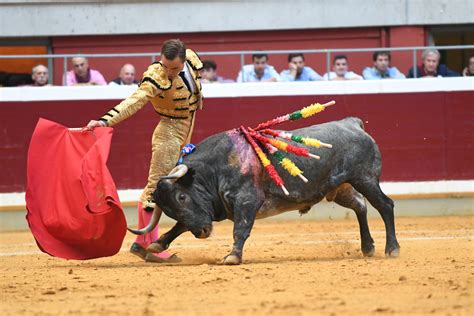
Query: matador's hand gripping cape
(73, 208)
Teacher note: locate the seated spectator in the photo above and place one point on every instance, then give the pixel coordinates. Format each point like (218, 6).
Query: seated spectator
(469, 70)
(430, 66)
(259, 71)
(341, 70)
(83, 75)
(382, 69)
(40, 76)
(209, 73)
(126, 77)
(297, 71)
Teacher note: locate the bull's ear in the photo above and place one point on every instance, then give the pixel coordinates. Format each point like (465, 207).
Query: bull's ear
(188, 178)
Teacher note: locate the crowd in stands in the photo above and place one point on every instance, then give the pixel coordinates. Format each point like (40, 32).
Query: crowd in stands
(261, 71)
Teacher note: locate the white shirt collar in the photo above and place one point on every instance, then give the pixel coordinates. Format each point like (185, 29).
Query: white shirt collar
(187, 74)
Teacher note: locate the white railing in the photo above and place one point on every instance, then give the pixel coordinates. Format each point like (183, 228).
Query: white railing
(242, 54)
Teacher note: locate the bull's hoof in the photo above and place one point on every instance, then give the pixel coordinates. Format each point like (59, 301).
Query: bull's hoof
(155, 248)
(394, 253)
(392, 250)
(368, 251)
(232, 260)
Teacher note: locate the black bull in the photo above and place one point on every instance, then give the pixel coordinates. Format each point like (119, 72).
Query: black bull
(223, 179)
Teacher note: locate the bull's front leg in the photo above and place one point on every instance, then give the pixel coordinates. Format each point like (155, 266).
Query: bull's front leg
(244, 217)
(165, 240)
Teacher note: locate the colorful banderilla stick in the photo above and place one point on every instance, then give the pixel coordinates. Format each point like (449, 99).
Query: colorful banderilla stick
(283, 146)
(286, 162)
(298, 139)
(303, 113)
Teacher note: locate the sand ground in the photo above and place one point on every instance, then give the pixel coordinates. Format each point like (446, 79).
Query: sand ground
(290, 268)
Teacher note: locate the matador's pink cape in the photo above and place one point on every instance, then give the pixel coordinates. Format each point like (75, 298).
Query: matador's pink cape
(73, 208)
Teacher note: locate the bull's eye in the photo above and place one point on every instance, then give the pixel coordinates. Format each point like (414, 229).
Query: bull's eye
(181, 198)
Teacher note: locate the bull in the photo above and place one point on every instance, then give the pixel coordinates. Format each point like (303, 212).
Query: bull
(223, 179)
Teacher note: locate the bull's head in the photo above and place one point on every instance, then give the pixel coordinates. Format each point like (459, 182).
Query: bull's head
(185, 201)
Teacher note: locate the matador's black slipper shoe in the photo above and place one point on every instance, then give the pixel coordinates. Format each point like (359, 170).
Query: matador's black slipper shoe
(150, 257)
(138, 250)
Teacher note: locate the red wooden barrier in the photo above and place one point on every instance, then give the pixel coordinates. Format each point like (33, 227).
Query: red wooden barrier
(422, 136)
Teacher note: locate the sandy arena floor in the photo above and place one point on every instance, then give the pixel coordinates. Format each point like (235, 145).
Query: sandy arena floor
(292, 268)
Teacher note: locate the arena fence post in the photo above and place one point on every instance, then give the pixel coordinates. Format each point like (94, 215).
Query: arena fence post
(50, 65)
(415, 75)
(64, 71)
(328, 62)
(242, 66)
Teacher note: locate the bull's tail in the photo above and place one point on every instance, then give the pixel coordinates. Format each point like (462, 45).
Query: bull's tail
(148, 228)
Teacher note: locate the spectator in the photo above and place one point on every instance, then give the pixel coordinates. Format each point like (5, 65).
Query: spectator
(259, 71)
(297, 71)
(341, 70)
(40, 76)
(430, 66)
(469, 70)
(209, 73)
(382, 69)
(83, 75)
(126, 77)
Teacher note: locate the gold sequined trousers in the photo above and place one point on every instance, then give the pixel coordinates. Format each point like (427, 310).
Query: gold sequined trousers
(168, 138)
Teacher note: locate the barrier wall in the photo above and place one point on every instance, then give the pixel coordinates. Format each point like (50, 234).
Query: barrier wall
(424, 127)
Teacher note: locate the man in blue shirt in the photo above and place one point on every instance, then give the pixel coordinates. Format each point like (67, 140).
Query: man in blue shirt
(298, 71)
(382, 69)
(259, 71)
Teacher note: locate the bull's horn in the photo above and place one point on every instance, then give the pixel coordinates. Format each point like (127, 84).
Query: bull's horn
(177, 172)
(148, 228)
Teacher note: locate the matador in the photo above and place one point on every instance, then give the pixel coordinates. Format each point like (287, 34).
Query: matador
(172, 85)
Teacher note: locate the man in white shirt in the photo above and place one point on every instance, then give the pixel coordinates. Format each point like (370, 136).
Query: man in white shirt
(341, 70)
